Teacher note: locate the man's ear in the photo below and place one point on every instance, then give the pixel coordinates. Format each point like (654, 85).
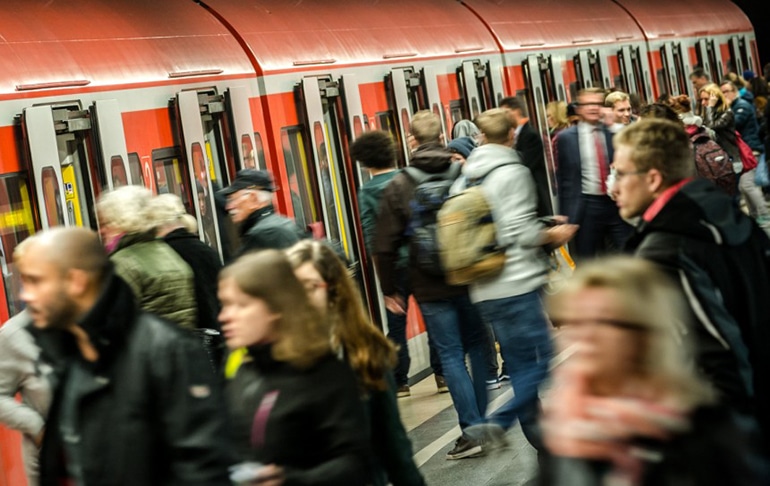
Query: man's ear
(77, 282)
(655, 181)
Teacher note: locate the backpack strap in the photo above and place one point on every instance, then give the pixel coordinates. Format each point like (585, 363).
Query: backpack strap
(419, 176)
(479, 180)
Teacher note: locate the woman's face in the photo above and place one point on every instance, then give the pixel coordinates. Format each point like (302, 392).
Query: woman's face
(315, 286)
(246, 320)
(606, 346)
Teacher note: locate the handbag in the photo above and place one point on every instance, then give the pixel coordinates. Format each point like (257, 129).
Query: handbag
(747, 155)
(761, 176)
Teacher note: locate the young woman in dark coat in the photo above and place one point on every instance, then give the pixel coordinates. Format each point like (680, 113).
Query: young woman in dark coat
(368, 352)
(294, 406)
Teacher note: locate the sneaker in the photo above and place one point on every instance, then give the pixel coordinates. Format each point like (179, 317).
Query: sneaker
(493, 384)
(403, 391)
(490, 436)
(465, 447)
(504, 377)
(441, 384)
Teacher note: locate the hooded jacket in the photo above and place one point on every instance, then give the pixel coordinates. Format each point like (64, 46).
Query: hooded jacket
(513, 197)
(264, 229)
(719, 256)
(392, 221)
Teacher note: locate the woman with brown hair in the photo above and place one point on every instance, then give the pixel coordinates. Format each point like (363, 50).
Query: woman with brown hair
(294, 406)
(627, 406)
(368, 352)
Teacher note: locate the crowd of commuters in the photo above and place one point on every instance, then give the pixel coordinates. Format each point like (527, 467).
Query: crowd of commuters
(665, 383)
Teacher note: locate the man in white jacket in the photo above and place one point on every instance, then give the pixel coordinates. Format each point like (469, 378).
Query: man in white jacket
(21, 372)
(510, 301)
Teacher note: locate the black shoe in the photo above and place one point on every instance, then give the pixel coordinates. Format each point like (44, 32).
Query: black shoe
(490, 436)
(465, 447)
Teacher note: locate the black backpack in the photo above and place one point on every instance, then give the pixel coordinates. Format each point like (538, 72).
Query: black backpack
(429, 195)
(714, 163)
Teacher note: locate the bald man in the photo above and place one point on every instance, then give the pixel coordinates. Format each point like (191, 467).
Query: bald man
(137, 401)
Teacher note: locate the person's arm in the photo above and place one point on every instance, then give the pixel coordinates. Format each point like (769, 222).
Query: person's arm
(193, 427)
(389, 235)
(16, 415)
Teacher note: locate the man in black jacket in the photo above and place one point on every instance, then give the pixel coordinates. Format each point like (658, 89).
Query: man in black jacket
(530, 147)
(250, 205)
(715, 252)
(137, 402)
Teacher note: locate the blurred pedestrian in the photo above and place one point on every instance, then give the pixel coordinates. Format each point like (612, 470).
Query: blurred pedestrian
(136, 400)
(627, 407)
(371, 356)
(295, 407)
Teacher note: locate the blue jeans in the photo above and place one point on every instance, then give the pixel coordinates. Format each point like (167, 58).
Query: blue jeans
(397, 334)
(521, 329)
(455, 327)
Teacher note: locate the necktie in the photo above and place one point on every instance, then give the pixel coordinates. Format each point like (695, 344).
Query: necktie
(601, 158)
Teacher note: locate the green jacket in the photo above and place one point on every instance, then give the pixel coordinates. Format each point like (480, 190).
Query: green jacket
(161, 281)
(369, 205)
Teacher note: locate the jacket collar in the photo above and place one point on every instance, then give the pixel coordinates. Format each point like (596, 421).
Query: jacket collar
(255, 217)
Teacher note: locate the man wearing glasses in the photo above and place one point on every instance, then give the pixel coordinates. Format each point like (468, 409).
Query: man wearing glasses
(250, 205)
(583, 154)
(711, 248)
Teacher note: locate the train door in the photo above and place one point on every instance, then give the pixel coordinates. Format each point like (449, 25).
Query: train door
(739, 56)
(433, 101)
(334, 178)
(672, 78)
(239, 113)
(201, 143)
(588, 69)
(539, 77)
(406, 96)
(111, 143)
(66, 176)
(632, 71)
(709, 59)
(476, 85)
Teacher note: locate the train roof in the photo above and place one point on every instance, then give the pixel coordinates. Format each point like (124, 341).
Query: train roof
(46, 44)
(687, 18)
(287, 35)
(547, 24)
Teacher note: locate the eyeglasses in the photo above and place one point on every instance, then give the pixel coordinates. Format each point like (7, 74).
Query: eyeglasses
(618, 323)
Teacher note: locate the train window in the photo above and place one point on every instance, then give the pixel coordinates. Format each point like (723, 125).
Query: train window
(358, 127)
(249, 159)
(456, 110)
(51, 198)
(384, 120)
(260, 151)
(171, 175)
(681, 76)
(16, 223)
(299, 175)
(135, 166)
(206, 222)
(328, 187)
(118, 170)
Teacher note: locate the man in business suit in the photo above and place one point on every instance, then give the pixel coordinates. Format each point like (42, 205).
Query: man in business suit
(530, 147)
(583, 154)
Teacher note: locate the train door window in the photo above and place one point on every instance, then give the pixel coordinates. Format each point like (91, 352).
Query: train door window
(249, 160)
(118, 170)
(329, 184)
(632, 71)
(588, 69)
(300, 175)
(52, 208)
(707, 58)
(384, 121)
(171, 175)
(681, 78)
(17, 222)
(456, 111)
(260, 151)
(358, 127)
(207, 226)
(135, 166)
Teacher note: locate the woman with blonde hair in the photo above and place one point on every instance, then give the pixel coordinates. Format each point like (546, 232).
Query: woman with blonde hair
(368, 352)
(627, 404)
(294, 405)
(556, 113)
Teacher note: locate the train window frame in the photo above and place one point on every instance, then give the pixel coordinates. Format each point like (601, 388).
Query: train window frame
(260, 151)
(118, 171)
(160, 157)
(305, 207)
(135, 167)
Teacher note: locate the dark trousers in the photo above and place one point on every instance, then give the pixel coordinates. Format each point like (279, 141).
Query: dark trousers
(602, 230)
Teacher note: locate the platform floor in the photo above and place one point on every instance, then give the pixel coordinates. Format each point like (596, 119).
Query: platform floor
(431, 422)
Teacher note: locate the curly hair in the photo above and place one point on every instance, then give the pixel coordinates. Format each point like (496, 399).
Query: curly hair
(370, 354)
(375, 150)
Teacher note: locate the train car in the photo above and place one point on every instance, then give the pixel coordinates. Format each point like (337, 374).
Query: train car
(178, 95)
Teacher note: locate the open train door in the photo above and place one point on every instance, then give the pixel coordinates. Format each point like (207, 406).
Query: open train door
(65, 173)
(476, 86)
(239, 113)
(198, 168)
(541, 80)
(433, 101)
(709, 59)
(632, 71)
(112, 151)
(588, 69)
(739, 55)
(321, 113)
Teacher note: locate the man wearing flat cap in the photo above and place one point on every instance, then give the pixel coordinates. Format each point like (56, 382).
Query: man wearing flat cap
(250, 206)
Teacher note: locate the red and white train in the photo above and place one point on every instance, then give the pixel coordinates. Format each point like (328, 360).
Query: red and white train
(180, 94)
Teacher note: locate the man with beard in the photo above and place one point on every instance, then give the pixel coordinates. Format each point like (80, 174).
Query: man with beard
(137, 401)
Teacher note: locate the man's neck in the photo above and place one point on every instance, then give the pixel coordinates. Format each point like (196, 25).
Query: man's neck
(82, 339)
